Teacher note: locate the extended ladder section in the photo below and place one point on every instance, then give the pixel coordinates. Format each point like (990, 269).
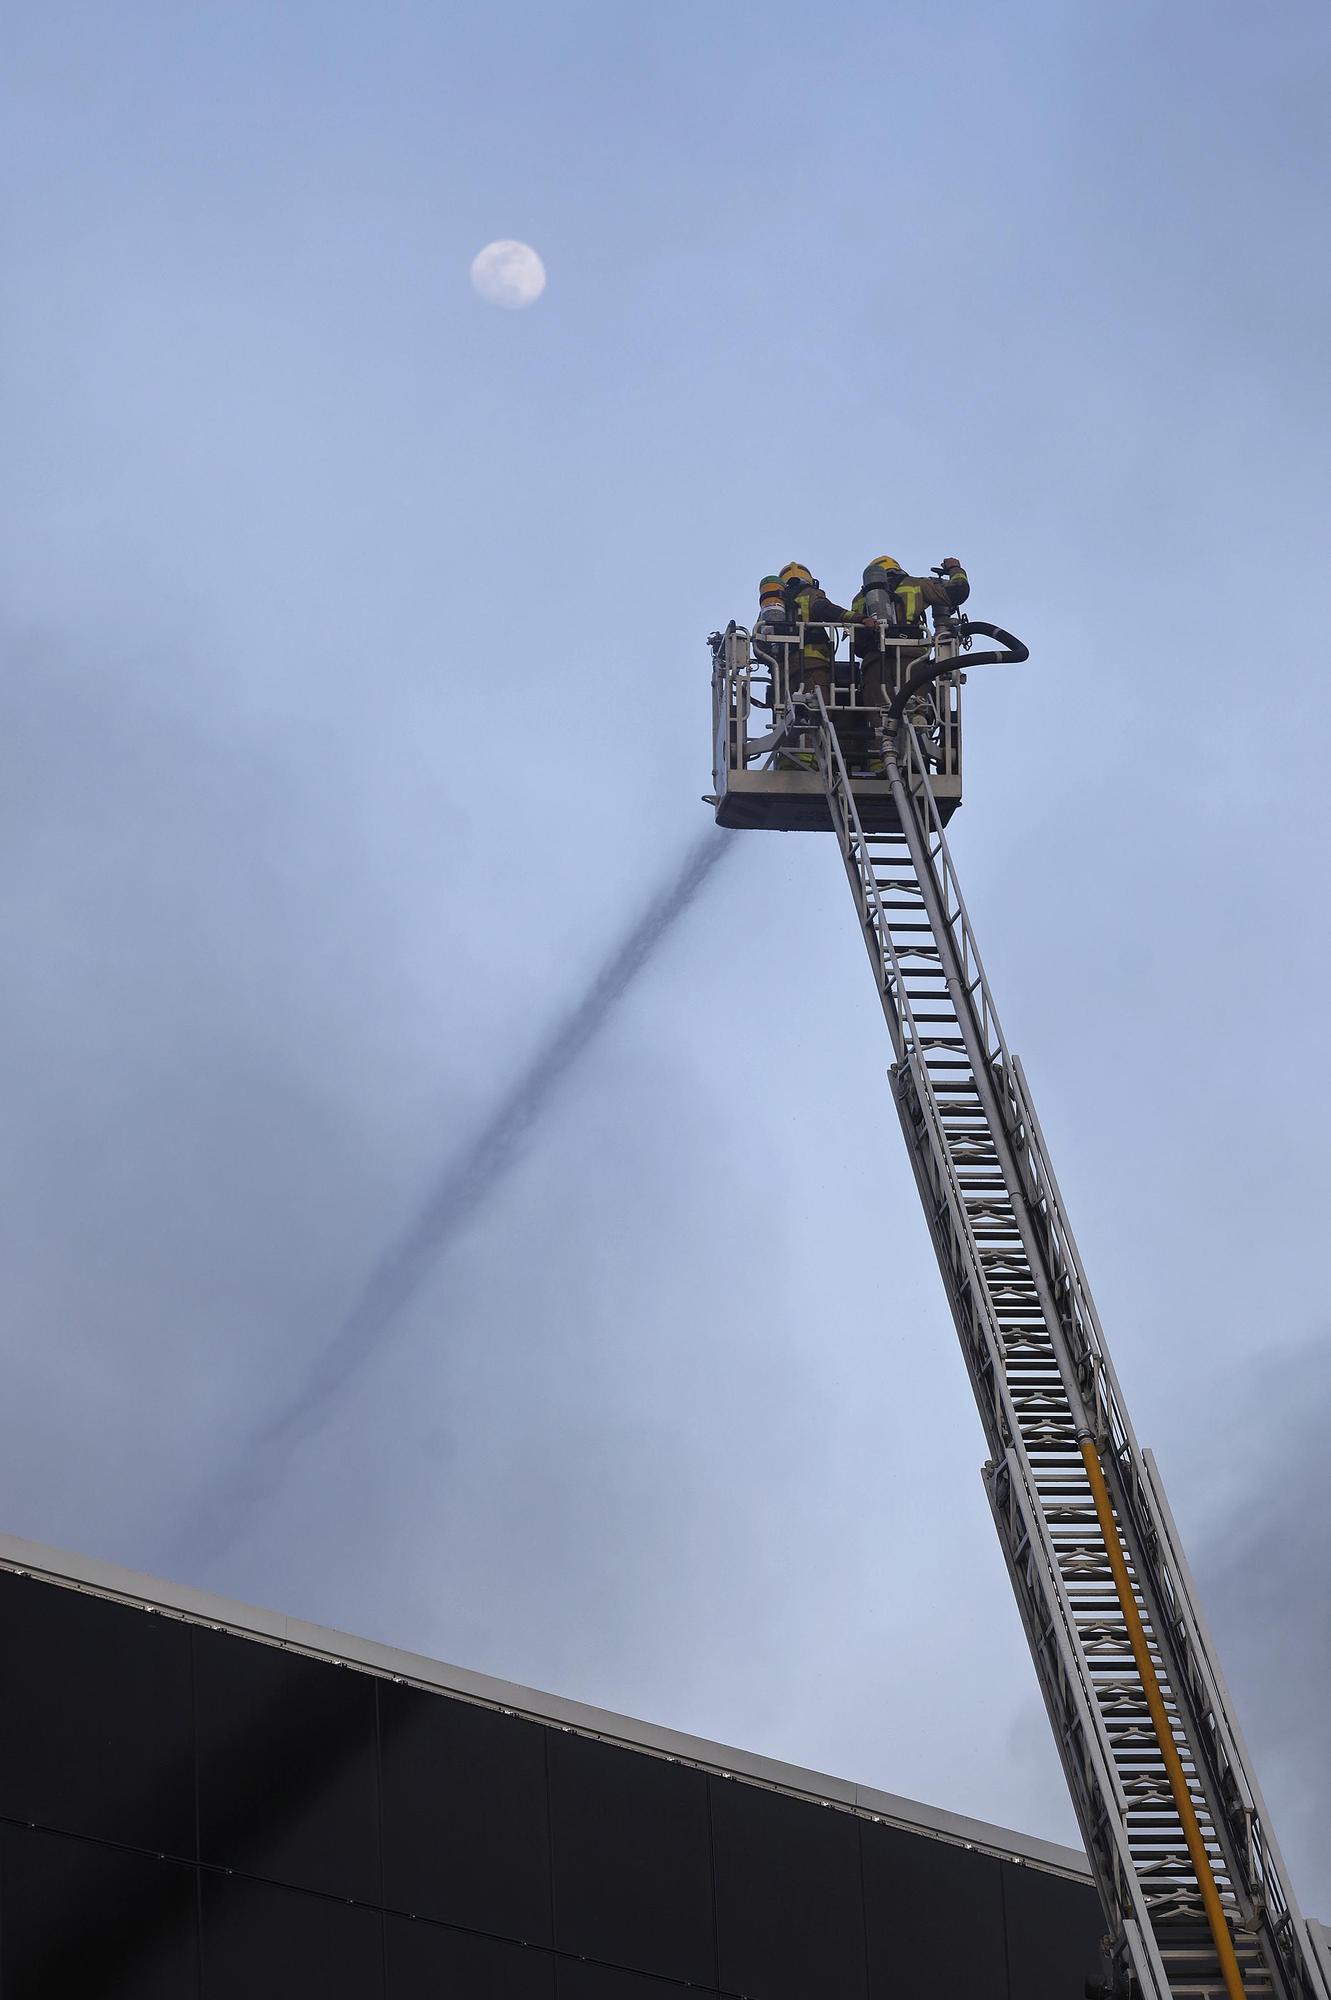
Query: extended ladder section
(1197, 1898)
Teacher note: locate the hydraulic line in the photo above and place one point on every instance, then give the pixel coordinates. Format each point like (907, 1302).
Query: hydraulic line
(1012, 654)
(1164, 1735)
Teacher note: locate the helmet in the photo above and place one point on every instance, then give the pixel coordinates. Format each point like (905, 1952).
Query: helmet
(796, 570)
(884, 562)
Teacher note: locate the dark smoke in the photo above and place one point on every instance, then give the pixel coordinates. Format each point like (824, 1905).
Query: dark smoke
(1264, 1574)
(465, 1183)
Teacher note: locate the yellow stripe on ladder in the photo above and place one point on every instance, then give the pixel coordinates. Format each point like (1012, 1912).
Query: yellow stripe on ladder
(1164, 1735)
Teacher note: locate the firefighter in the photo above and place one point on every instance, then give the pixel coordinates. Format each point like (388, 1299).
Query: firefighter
(896, 603)
(878, 614)
(807, 604)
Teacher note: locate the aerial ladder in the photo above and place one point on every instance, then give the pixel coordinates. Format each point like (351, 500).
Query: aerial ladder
(1197, 1901)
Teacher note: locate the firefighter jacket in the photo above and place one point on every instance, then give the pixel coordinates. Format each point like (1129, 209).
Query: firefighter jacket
(807, 604)
(916, 594)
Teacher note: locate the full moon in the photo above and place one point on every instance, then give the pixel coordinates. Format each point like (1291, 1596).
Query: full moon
(508, 274)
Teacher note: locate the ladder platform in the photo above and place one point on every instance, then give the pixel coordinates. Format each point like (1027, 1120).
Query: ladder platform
(763, 764)
(796, 801)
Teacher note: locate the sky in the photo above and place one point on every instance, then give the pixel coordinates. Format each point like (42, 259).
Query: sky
(355, 700)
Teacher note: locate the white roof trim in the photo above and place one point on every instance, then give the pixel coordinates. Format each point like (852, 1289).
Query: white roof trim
(180, 1600)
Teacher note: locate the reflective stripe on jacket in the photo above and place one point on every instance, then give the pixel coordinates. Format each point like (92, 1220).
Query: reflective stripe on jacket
(915, 593)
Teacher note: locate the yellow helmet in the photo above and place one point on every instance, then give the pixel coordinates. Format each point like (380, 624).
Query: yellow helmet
(884, 562)
(796, 569)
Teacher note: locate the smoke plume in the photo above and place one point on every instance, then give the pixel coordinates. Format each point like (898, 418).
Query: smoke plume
(465, 1183)
(1265, 1580)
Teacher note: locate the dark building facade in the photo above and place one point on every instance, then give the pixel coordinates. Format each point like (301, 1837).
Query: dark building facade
(197, 1799)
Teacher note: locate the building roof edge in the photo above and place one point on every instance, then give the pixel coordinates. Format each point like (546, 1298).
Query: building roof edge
(183, 1601)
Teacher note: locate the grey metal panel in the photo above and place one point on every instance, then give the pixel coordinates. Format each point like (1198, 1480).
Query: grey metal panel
(271, 1627)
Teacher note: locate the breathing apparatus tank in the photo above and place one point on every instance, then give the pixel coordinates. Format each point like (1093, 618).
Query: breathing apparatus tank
(771, 605)
(880, 582)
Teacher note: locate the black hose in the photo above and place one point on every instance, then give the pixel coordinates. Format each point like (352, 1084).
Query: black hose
(931, 670)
